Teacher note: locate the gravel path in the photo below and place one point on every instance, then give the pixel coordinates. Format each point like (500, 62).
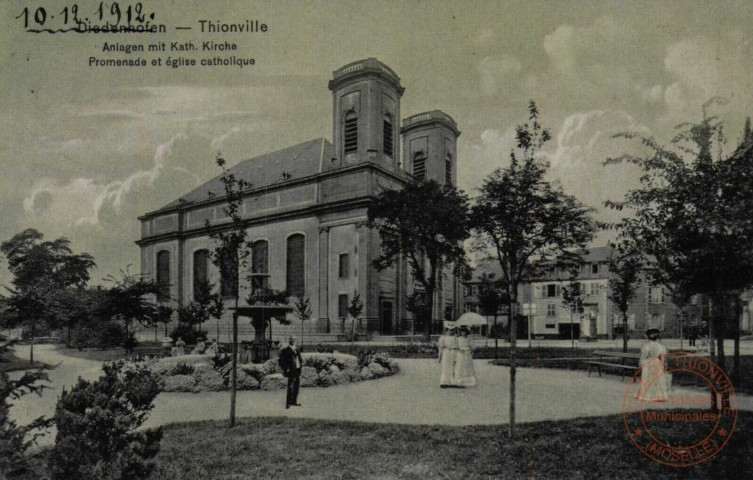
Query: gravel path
(412, 396)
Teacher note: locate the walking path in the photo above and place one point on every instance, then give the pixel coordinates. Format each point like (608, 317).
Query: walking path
(412, 397)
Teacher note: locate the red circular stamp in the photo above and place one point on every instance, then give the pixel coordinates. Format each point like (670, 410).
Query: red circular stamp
(676, 427)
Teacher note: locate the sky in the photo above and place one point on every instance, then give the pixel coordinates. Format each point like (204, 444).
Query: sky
(86, 150)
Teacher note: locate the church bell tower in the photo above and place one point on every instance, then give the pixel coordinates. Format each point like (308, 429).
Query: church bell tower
(366, 96)
(430, 147)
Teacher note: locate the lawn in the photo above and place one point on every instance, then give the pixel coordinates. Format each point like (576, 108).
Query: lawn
(97, 354)
(306, 449)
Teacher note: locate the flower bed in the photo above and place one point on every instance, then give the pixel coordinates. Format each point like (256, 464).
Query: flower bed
(181, 374)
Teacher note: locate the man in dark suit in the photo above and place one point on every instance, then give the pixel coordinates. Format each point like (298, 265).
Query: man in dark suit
(291, 364)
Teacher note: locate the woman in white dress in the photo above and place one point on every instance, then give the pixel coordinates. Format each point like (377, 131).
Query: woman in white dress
(654, 380)
(448, 348)
(464, 374)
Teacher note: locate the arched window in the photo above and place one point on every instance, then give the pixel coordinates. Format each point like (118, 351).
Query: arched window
(163, 275)
(295, 282)
(260, 265)
(387, 143)
(419, 166)
(200, 273)
(448, 169)
(229, 274)
(350, 133)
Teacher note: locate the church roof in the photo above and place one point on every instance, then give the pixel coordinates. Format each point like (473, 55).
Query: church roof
(272, 168)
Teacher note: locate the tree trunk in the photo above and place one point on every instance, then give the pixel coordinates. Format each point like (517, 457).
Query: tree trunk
(496, 337)
(736, 373)
(234, 371)
(513, 341)
(429, 320)
(31, 349)
(572, 332)
(624, 332)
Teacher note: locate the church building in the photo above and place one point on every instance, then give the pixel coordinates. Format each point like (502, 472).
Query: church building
(306, 211)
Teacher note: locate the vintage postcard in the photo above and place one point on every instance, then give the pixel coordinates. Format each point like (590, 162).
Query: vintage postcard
(340, 239)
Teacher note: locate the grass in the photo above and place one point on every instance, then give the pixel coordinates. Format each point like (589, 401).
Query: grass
(307, 449)
(11, 363)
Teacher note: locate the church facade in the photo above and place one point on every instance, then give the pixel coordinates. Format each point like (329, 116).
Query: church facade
(306, 211)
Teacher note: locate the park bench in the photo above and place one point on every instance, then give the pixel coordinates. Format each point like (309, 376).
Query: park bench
(611, 359)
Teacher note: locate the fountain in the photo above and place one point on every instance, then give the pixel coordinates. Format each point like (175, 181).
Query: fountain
(263, 306)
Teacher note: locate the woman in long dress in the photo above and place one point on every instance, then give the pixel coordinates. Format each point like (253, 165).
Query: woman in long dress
(464, 374)
(654, 380)
(448, 348)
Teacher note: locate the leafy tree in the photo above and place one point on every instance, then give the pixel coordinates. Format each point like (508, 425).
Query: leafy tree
(229, 256)
(40, 268)
(747, 132)
(572, 298)
(523, 216)
(414, 222)
(302, 310)
(626, 267)
(97, 423)
(691, 215)
(130, 300)
(354, 311)
(15, 440)
(491, 297)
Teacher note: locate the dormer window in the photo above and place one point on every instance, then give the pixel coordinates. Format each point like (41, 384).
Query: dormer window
(419, 166)
(387, 136)
(350, 133)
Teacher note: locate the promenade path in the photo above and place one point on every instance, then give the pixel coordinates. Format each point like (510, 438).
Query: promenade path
(411, 397)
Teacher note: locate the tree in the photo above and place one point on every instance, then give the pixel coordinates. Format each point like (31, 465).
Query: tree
(413, 222)
(229, 255)
(522, 216)
(572, 297)
(302, 310)
(491, 297)
(354, 311)
(40, 268)
(626, 266)
(691, 215)
(130, 300)
(747, 132)
(15, 439)
(97, 422)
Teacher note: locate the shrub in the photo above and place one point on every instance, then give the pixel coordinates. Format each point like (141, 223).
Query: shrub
(96, 424)
(219, 361)
(188, 333)
(182, 368)
(98, 335)
(14, 439)
(365, 357)
(321, 348)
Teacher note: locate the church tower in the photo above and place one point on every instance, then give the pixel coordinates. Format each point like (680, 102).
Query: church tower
(366, 96)
(430, 147)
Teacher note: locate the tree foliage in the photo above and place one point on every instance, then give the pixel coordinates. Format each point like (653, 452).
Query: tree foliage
(690, 216)
(97, 423)
(426, 223)
(522, 216)
(15, 440)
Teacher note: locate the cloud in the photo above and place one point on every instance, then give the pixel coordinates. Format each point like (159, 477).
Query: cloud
(497, 72)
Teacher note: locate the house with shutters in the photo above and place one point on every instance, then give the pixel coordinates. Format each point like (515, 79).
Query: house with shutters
(306, 212)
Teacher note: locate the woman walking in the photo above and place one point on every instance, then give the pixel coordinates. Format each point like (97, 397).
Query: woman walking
(448, 348)
(464, 374)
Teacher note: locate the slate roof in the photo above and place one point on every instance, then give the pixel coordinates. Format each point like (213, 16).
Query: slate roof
(295, 162)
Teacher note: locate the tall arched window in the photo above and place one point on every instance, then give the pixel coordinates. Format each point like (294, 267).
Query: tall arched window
(229, 274)
(419, 166)
(448, 169)
(350, 133)
(200, 273)
(387, 143)
(260, 265)
(295, 282)
(163, 275)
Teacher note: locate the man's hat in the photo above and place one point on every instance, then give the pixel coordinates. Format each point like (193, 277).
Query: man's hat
(652, 331)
